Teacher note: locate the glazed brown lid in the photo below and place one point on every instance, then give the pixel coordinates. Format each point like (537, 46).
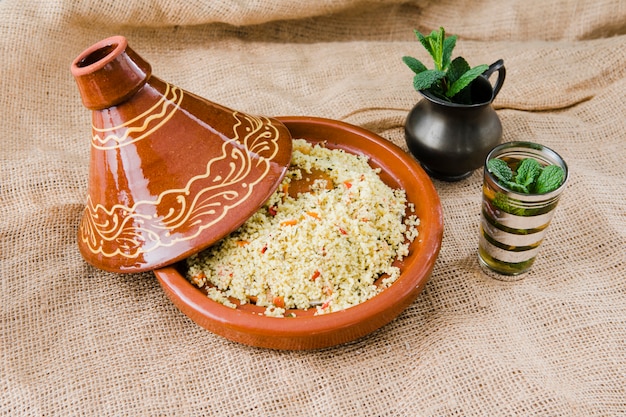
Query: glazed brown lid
(170, 172)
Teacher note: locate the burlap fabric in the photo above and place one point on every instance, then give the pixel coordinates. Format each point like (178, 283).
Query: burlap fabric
(78, 341)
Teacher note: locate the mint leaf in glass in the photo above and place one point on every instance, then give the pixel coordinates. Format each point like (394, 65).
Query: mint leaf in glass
(527, 172)
(549, 180)
(500, 169)
(518, 188)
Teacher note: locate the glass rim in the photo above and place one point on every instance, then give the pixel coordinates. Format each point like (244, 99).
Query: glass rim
(550, 153)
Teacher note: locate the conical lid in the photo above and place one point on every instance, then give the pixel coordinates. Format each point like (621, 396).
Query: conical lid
(170, 172)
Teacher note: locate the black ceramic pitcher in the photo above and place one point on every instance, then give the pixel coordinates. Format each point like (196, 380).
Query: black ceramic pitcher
(451, 140)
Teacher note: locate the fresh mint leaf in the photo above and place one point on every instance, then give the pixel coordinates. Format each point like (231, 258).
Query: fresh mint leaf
(414, 64)
(466, 79)
(518, 188)
(501, 201)
(426, 79)
(448, 45)
(434, 44)
(504, 203)
(549, 180)
(436, 40)
(500, 169)
(527, 172)
(426, 43)
(457, 68)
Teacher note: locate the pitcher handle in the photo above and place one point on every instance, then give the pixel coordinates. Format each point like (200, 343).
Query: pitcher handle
(496, 66)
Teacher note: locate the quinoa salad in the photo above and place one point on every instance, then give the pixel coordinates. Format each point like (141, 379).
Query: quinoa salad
(329, 247)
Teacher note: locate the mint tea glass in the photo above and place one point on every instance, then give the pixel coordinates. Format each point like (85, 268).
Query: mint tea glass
(514, 223)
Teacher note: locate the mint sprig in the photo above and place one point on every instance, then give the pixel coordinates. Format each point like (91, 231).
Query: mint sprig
(449, 77)
(530, 178)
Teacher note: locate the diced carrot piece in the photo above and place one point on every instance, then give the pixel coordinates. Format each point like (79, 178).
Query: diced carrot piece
(279, 301)
(198, 278)
(242, 243)
(313, 214)
(291, 222)
(315, 275)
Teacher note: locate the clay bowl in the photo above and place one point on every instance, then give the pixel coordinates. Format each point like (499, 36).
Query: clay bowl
(306, 331)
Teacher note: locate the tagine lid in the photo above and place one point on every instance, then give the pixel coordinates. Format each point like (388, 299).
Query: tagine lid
(170, 173)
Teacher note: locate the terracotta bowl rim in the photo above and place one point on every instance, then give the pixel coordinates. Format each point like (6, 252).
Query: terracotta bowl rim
(410, 282)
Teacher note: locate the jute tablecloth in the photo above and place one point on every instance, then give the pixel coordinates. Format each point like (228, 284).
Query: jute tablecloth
(78, 341)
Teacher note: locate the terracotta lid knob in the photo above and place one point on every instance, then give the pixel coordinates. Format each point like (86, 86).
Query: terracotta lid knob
(109, 72)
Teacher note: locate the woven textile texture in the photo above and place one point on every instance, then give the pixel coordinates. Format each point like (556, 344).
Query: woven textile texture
(75, 340)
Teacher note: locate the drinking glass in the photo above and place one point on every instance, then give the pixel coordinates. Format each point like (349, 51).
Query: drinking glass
(513, 224)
